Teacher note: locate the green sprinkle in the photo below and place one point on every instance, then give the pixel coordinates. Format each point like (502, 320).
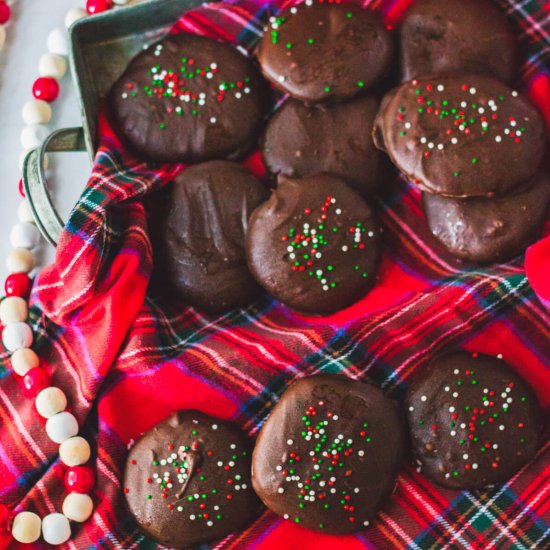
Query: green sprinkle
(149, 497)
(297, 520)
(162, 126)
(328, 89)
(349, 15)
(310, 41)
(330, 268)
(456, 174)
(288, 45)
(474, 160)
(360, 84)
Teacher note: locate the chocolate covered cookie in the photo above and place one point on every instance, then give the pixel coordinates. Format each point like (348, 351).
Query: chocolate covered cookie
(328, 455)
(300, 141)
(473, 421)
(200, 231)
(325, 51)
(457, 36)
(315, 244)
(489, 230)
(187, 480)
(188, 98)
(461, 136)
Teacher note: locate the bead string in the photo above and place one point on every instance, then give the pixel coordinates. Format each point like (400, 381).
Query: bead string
(17, 336)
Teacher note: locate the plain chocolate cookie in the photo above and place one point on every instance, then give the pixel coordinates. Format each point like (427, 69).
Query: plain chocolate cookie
(473, 421)
(315, 244)
(461, 136)
(188, 99)
(200, 233)
(187, 480)
(300, 141)
(489, 230)
(325, 51)
(328, 455)
(457, 36)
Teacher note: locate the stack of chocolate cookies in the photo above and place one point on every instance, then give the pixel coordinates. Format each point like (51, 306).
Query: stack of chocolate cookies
(471, 143)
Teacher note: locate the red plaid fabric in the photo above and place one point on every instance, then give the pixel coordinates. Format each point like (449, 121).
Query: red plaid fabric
(126, 361)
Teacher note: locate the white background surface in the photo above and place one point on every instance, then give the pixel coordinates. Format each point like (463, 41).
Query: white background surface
(27, 32)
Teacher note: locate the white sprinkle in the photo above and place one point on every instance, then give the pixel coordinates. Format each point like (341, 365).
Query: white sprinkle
(464, 105)
(465, 456)
(361, 453)
(366, 523)
(456, 371)
(281, 78)
(370, 234)
(452, 409)
(514, 94)
(423, 140)
(286, 516)
(473, 91)
(453, 433)
(408, 125)
(474, 466)
(180, 508)
(220, 463)
(335, 417)
(454, 141)
(499, 356)
(209, 523)
(345, 248)
(447, 388)
(481, 110)
(440, 146)
(214, 426)
(411, 408)
(455, 394)
(192, 517)
(423, 398)
(289, 442)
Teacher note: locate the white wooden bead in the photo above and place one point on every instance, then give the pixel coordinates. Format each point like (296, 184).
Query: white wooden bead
(23, 360)
(26, 527)
(13, 309)
(33, 136)
(57, 42)
(20, 260)
(52, 64)
(74, 451)
(24, 235)
(50, 401)
(24, 212)
(78, 507)
(56, 529)
(36, 111)
(17, 336)
(61, 427)
(74, 15)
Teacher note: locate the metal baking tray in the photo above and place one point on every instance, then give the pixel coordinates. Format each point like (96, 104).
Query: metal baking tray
(100, 48)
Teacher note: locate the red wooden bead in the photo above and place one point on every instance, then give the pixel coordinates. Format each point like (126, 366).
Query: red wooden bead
(35, 381)
(6, 518)
(21, 188)
(79, 479)
(5, 13)
(18, 284)
(97, 6)
(45, 88)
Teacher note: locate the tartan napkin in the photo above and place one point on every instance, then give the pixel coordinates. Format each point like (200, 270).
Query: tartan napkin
(127, 360)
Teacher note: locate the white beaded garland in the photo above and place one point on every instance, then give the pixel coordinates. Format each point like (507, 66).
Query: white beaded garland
(13, 309)
(50, 401)
(52, 64)
(36, 111)
(24, 235)
(26, 527)
(34, 135)
(23, 360)
(24, 212)
(57, 42)
(20, 260)
(61, 427)
(74, 15)
(74, 451)
(56, 528)
(17, 336)
(78, 507)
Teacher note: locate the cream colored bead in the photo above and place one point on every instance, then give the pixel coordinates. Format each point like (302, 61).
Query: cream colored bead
(17, 336)
(56, 529)
(78, 507)
(74, 451)
(20, 260)
(34, 135)
(23, 360)
(36, 111)
(61, 426)
(26, 527)
(24, 212)
(13, 310)
(57, 42)
(52, 64)
(50, 401)
(74, 15)
(24, 235)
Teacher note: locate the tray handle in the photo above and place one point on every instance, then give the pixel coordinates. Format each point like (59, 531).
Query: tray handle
(44, 212)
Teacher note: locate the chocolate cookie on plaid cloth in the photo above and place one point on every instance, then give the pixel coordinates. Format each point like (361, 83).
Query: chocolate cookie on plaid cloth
(300, 141)
(199, 235)
(488, 230)
(320, 52)
(315, 244)
(461, 136)
(187, 480)
(473, 421)
(188, 98)
(457, 36)
(328, 455)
